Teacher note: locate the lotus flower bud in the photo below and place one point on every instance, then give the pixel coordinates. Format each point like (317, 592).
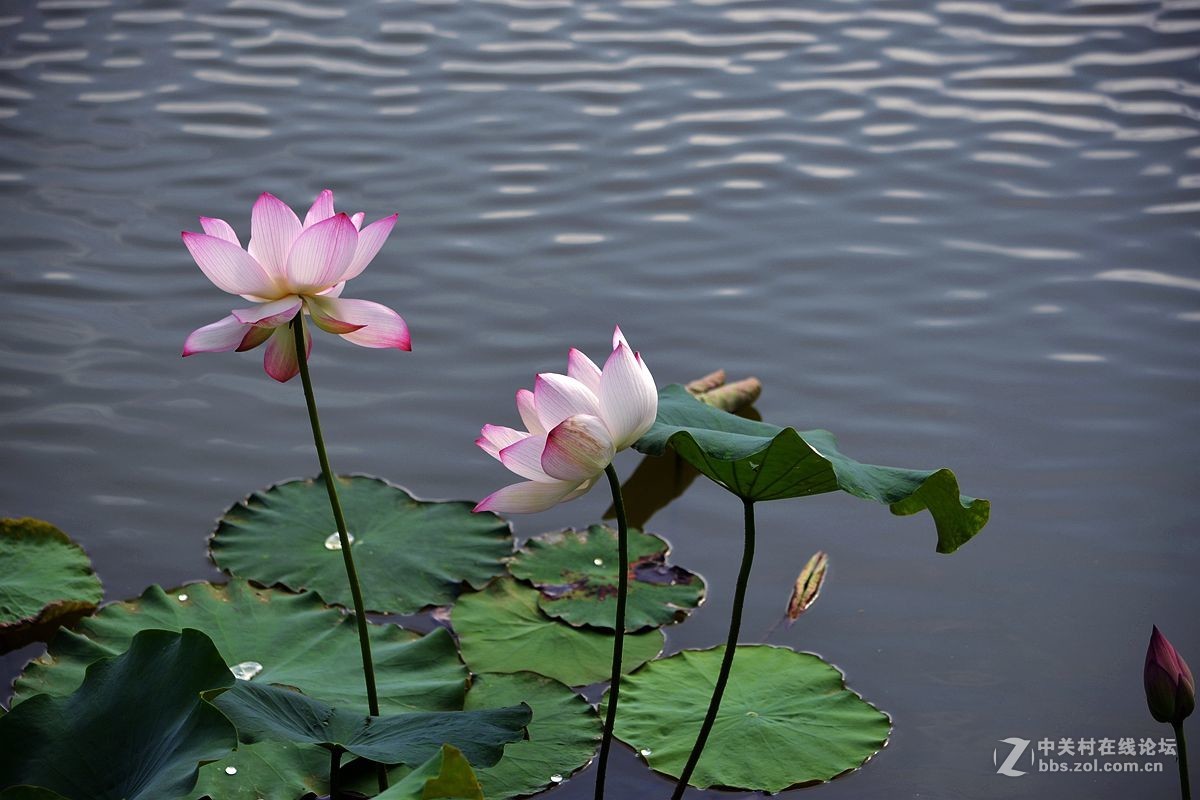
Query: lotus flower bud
(1170, 688)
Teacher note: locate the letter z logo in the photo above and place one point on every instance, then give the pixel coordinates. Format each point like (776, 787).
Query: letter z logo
(1018, 749)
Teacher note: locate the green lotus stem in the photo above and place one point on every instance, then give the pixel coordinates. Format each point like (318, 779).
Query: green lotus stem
(619, 643)
(735, 624)
(360, 616)
(335, 766)
(1185, 786)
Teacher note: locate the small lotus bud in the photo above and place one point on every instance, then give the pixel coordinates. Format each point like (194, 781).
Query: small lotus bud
(1170, 688)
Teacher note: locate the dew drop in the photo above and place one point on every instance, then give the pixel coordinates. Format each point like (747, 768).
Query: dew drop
(334, 542)
(599, 562)
(231, 770)
(246, 670)
(645, 751)
(182, 598)
(556, 778)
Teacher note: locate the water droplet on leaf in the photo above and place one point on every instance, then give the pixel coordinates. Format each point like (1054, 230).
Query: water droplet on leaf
(599, 562)
(182, 598)
(645, 751)
(231, 770)
(556, 778)
(246, 670)
(334, 542)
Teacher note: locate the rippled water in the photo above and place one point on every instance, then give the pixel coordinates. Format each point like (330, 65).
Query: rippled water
(959, 233)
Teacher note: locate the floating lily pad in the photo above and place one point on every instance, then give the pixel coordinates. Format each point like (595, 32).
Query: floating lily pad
(48, 582)
(410, 554)
(446, 776)
(759, 461)
(577, 573)
(136, 729)
(563, 735)
(273, 637)
(263, 712)
(501, 629)
(787, 718)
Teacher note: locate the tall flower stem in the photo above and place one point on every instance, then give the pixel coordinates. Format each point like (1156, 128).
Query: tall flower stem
(614, 691)
(1185, 786)
(735, 624)
(360, 616)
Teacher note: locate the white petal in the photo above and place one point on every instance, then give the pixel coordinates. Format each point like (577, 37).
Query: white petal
(628, 397)
(584, 370)
(370, 240)
(220, 229)
(321, 254)
(578, 448)
(525, 458)
(273, 228)
(527, 408)
(528, 498)
(219, 337)
(269, 315)
(322, 209)
(557, 397)
(494, 438)
(229, 267)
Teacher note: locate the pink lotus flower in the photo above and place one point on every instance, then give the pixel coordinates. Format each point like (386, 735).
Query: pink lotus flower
(1170, 688)
(577, 422)
(287, 268)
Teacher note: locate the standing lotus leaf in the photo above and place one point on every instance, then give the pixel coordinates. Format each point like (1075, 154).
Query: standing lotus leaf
(760, 461)
(278, 536)
(501, 629)
(576, 572)
(48, 582)
(787, 718)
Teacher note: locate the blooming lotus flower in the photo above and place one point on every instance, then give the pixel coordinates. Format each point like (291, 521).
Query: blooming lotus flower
(577, 422)
(1170, 688)
(289, 267)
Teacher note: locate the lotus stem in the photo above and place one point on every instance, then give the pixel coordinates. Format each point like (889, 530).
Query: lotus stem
(735, 624)
(335, 767)
(1185, 786)
(360, 616)
(619, 623)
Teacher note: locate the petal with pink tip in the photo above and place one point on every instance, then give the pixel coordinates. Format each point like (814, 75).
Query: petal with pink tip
(326, 321)
(322, 208)
(526, 498)
(321, 254)
(494, 438)
(525, 458)
(628, 397)
(578, 448)
(220, 229)
(357, 219)
(280, 359)
(370, 240)
(219, 337)
(377, 325)
(584, 370)
(270, 315)
(527, 408)
(558, 397)
(229, 267)
(619, 338)
(273, 228)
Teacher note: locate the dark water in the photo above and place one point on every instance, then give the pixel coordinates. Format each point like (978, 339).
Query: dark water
(957, 233)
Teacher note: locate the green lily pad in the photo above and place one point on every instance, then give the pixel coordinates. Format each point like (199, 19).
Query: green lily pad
(297, 641)
(410, 554)
(136, 729)
(48, 582)
(501, 629)
(759, 461)
(562, 739)
(787, 718)
(263, 712)
(446, 776)
(577, 573)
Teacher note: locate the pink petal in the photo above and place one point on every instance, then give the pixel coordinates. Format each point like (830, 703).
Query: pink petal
(558, 397)
(357, 219)
(494, 438)
(619, 338)
(370, 239)
(527, 498)
(628, 397)
(220, 229)
(527, 408)
(379, 326)
(525, 458)
(321, 254)
(229, 267)
(584, 370)
(333, 291)
(322, 208)
(327, 320)
(254, 337)
(273, 228)
(578, 448)
(270, 315)
(280, 359)
(219, 337)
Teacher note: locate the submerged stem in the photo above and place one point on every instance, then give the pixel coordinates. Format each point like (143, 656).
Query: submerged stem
(1185, 786)
(619, 624)
(360, 616)
(735, 624)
